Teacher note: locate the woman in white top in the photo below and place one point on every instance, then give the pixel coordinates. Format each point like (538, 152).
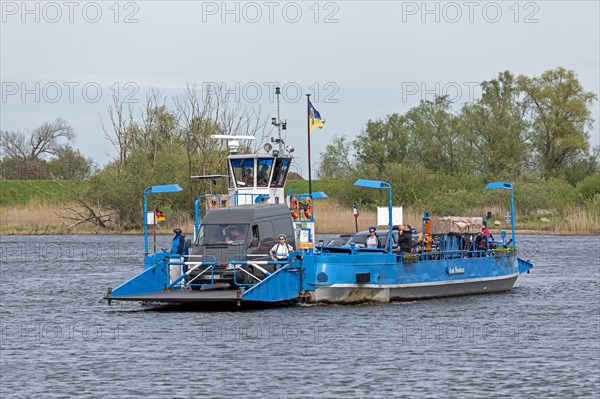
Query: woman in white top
(281, 250)
(373, 240)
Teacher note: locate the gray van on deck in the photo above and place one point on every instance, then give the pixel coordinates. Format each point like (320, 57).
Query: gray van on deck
(244, 229)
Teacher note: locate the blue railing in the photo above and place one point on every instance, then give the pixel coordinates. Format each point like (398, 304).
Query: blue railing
(188, 267)
(187, 277)
(459, 254)
(253, 198)
(237, 263)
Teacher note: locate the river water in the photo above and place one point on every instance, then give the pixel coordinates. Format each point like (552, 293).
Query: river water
(60, 339)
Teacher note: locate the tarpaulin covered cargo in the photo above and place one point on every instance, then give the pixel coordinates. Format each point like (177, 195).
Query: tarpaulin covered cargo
(457, 224)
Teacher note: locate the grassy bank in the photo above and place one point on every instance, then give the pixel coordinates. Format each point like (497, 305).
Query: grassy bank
(23, 192)
(39, 217)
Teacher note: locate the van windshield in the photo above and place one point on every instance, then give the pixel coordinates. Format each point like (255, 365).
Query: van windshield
(223, 234)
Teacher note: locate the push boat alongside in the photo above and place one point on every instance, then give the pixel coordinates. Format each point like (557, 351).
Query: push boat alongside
(457, 261)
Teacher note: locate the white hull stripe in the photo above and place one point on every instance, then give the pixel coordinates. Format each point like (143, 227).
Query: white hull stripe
(465, 281)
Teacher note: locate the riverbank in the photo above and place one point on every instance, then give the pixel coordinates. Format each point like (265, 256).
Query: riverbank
(41, 218)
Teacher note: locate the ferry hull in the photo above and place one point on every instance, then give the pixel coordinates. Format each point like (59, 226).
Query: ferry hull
(342, 277)
(355, 293)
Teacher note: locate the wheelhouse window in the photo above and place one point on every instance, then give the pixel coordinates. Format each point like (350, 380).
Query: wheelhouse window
(264, 171)
(243, 171)
(280, 172)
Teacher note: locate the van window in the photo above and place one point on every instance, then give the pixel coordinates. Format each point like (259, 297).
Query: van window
(224, 234)
(283, 226)
(255, 233)
(267, 230)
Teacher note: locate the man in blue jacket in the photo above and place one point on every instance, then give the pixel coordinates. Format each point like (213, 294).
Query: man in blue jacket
(179, 246)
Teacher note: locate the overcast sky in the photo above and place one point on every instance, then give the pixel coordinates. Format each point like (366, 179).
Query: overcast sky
(360, 60)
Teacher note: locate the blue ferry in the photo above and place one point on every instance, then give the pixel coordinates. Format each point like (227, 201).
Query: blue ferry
(455, 258)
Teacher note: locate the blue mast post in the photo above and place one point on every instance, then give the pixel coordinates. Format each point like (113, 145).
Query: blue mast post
(507, 186)
(196, 217)
(380, 184)
(487, 233)
(422, 234)
(168, 188)
(390, 219)
(512, 214)
(146, 220)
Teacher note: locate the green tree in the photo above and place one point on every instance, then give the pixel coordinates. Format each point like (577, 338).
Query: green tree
(584, 166)
(589, 187)
(336, 161)
(435, 136)
(383, 141)
(69, 163)
(495, 129)
(560, 113)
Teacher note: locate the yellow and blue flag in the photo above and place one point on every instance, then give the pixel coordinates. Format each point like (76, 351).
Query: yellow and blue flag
(314, 118)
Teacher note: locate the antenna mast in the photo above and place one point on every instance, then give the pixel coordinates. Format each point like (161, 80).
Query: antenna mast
(277, 93)
(281, 125)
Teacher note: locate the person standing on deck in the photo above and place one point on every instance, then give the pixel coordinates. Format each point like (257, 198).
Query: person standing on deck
(486, 233)
(373, 241)
(405, 239)
(281, 250)
(178, 247)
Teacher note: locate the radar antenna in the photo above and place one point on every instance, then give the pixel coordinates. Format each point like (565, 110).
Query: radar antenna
(233, 142)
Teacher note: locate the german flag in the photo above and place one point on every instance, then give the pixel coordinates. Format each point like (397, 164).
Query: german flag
(159, 215)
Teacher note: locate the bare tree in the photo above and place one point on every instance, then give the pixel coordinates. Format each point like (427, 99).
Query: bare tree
(213, 114)
(44, 140)
(120, 137)
(83, 212)
(13, 145)
(202, 115)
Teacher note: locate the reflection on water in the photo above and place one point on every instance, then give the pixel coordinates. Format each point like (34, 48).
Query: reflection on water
(59, 338)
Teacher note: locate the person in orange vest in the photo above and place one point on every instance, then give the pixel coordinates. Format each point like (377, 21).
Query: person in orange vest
(486, 233)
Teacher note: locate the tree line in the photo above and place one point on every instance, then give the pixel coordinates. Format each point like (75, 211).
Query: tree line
(529, 130)
(521, 126)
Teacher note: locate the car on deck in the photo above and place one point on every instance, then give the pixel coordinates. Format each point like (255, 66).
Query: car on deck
(360, 239)
(240, 230)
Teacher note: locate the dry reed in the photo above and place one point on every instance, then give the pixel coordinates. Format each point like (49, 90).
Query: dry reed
(575, 220)
(332, 218)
